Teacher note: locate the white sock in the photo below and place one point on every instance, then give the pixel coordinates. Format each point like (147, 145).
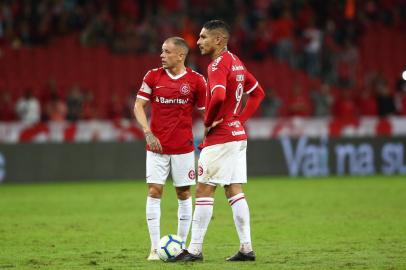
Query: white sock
(241, 215)
(184, 217)
(200, 222)
(153, 212)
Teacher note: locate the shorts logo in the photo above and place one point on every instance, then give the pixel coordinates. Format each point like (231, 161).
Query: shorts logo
(184, 89)
(192, 174)
(200, 170)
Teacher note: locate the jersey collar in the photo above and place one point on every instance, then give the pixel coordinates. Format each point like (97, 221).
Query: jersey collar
(176, 76)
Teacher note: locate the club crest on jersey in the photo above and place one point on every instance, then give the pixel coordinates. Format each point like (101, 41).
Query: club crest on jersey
(192, 174)
(184, 89)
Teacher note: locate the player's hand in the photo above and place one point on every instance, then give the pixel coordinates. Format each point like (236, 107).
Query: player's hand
(215, 123)
(153, 142)
(207, 129)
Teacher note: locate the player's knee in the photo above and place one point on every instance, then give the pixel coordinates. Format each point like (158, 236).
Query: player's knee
(203, 190)
(154, 191)
(183, 193)
(232, 190)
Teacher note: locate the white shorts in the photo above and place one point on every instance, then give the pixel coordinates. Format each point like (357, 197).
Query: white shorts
(223, 164)
(182, 167)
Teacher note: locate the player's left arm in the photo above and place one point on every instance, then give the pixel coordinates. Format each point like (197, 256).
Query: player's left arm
(255, 95)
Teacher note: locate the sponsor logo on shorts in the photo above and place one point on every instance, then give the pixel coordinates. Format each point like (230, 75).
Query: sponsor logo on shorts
(192, 174)
(184, 89)
(200, 170)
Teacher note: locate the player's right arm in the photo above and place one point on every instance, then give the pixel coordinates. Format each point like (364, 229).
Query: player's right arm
(217, 87)
(143, 98)
(139, 112)
(140, 115)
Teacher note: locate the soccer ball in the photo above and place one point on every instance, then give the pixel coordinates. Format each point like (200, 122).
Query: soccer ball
(170, 246)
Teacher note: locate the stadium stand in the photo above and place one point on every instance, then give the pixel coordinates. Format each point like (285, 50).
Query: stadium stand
(104, 47)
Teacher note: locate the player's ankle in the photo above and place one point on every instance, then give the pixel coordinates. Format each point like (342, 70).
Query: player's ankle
(245, 247)
(194, 250)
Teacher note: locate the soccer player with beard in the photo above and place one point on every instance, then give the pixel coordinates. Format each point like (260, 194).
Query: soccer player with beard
(173, 91)
(222, 161)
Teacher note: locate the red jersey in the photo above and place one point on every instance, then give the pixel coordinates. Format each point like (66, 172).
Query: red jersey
(228, 73)
(172, 100)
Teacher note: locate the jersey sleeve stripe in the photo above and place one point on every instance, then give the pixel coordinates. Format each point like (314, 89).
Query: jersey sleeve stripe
(145, 88)
(217, 86)
(142, 97)
(253, 88)
(144, 94)
(201, 108)
(232, 55)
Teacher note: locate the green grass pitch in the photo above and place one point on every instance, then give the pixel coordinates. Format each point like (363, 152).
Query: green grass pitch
(325, 223)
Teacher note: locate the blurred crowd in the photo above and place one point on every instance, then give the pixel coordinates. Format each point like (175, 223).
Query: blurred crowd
(52, 105)
(315, 35)
(79, 104)
(321, 37)
(375, 100)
